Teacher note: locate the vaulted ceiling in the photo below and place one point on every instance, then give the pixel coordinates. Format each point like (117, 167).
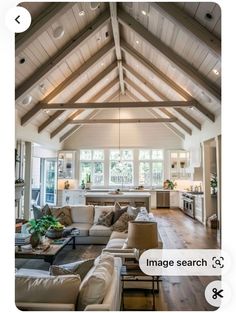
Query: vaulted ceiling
(89, 53)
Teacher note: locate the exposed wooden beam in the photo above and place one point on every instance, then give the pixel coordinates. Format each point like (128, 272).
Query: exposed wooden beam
(189, 24)
(129, 22)
(91, 115)
(166, 112)
(81, 92)
(124, 121)
(156, 115)
(109, 105)
(62, 54)
(116, 36)
(161, 95)
(78, 112)
(40, 24)
(151, 67)
(80, 71)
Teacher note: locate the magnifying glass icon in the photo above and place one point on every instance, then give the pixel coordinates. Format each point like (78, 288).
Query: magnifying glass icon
(217, 262)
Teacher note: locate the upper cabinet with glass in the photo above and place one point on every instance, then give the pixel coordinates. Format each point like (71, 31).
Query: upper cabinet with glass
(66, 164)
(179, 165)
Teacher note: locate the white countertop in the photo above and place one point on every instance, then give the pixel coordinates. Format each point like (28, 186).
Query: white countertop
(137, 194)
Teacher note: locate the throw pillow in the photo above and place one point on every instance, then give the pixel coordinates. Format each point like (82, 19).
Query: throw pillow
(95, 284)
(63, 215)
(121, 224)
(51, 289)
(105, 219)
(80, 268)
(132, 211)
(40, 212)
(118, 212)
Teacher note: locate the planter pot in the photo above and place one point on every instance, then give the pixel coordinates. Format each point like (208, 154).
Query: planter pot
(88, 185)
(54, 234)
(35, 240)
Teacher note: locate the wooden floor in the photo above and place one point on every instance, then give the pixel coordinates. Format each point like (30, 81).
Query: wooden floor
(178, 293)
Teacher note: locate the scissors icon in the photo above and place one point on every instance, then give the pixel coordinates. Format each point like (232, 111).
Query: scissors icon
(217, 293)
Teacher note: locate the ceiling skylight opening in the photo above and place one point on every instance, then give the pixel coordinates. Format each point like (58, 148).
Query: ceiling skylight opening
(58, 32)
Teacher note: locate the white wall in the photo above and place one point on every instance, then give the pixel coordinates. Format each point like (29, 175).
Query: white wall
(30, 133)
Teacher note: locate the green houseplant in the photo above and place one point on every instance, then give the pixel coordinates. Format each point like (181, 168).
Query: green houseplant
(39, 227)
(213, 183)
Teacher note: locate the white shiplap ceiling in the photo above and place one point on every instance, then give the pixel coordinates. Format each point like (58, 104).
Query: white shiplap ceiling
(151, 76)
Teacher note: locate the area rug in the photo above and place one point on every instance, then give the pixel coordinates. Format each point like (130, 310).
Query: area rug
(67, 255)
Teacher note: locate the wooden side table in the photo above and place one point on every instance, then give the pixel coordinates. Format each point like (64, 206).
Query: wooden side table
(134, 274)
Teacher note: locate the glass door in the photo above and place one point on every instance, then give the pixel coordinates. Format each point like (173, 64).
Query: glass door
(50, 181)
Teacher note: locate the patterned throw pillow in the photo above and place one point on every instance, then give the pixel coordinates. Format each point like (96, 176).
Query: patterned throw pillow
(132, 211)
(80, 268)
(63, 215)
(40, 212)
(119, 210)
(121, 224)
(105, 218)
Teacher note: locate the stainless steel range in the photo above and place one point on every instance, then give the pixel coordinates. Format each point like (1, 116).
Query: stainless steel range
(188, 204)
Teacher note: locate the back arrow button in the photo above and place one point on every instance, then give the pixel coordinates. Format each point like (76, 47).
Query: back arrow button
(17, 19)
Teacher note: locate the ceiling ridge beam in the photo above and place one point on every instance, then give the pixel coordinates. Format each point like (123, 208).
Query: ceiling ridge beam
(123, 104)
(91, 115)
(81, 92)
(128, 21)
(156, 115)
(63, 53)
(116, 36)
(80, 71)
(172, 84)
(166, 112)
(190, 119)
(76, 113)
(178, 16)
(40, 24)
(124, 121)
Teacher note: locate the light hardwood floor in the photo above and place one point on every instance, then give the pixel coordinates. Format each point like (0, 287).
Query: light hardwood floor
(178, 293)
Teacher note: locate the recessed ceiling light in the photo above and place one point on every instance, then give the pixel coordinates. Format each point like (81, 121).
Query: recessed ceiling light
(47, 111)
(82, 13)
(58, 32)
(137, 42)
(215, 71)
(22, 61)
(99, 39)
(27, 100)
(144, 12)
(102, 64)
(208, 16)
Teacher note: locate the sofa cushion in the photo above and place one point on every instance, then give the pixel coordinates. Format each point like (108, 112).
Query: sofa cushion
(121, 224)
(51, 289)
(63, 215)
(95, 284)
(39, 212)
(31, 272)
(105, 219)
(82, 213)
(100, 231)
(99, 209)
(116, 243)
(133, 211)
(80, 268)
(83, 228)
(117, 234)
(119, 210)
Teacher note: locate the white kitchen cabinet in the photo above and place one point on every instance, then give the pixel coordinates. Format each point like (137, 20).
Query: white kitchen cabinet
(181, 203)
(179, 165)
(70, 197)
(198, 201)
(174, 199)
(66, 165)
(153, 199)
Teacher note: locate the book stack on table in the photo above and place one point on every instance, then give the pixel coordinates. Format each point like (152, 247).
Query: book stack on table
(22, 239)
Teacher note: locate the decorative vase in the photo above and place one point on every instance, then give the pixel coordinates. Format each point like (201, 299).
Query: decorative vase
(35, 240)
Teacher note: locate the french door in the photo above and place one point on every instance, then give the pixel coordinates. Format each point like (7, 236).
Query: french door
(50, 181)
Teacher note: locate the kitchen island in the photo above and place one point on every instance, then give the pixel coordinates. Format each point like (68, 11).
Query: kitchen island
(136, 199)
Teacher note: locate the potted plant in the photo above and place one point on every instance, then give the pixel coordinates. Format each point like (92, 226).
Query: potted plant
(169, 184)
(213, 183)
(55, 231)
(39, 227)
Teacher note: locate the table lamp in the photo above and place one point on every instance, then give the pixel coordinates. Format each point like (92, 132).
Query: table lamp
(142, 235)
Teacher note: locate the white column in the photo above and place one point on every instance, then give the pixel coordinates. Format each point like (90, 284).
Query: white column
(28, 177)
(206, 179)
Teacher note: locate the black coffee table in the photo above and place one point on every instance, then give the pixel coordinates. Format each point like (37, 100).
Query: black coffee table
(48, 253)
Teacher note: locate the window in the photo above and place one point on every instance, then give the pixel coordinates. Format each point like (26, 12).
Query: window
(92, 164)
(121, 167)
(150, 167)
